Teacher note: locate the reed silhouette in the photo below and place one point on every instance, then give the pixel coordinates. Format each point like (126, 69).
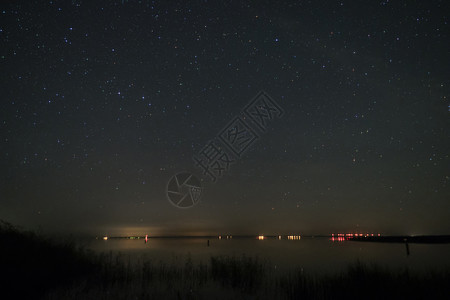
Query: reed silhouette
(32, 264)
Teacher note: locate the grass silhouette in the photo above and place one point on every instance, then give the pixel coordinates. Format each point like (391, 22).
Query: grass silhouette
(31, 264)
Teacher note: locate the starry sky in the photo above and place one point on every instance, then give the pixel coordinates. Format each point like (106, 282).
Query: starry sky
(102, 102)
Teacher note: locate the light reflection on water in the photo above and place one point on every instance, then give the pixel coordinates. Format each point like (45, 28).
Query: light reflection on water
(313, 255)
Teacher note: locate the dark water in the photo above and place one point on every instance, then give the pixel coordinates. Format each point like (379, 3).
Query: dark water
(313, 255)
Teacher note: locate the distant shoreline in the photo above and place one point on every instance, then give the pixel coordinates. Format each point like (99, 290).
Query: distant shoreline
(421, 239)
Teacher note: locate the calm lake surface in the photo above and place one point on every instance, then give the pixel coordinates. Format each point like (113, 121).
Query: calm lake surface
(313, 255)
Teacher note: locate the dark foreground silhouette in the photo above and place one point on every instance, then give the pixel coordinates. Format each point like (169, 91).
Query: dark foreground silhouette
(33, 267)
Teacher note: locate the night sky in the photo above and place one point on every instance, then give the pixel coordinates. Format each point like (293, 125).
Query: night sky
(102, 102)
